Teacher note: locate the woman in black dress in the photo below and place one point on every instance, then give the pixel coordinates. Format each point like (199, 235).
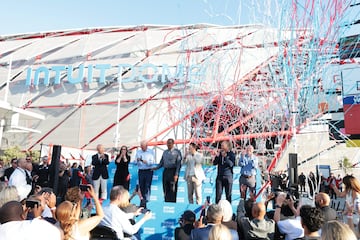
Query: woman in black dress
(122, 176)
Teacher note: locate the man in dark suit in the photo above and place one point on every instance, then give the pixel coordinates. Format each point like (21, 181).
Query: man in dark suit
(10, 170)
(214, 216)
(100, 161)
(225, 161)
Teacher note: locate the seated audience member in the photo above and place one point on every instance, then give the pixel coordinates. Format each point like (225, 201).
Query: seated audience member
(214, 216)
(256, 226)
(75, 195)
(285, 217)
(220, 232)
(227, 214)
(8, 194)
(335, 230)
(186, 225)
(37, 211)
(311, 220)
(13, 225)
(50, 203)
(322, 201)
(117, 219)
(68, 215)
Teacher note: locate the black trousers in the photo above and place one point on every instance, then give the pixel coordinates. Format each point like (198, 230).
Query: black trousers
(169, 185)
(224, 182)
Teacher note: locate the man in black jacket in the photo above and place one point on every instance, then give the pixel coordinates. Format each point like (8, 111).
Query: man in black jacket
(100, 161)
(186, 225)
(225, 160)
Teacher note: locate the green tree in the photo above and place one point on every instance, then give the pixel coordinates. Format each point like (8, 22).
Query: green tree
(13, 152)
(346, 164)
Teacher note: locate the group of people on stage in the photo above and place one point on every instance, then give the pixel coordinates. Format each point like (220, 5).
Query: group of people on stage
(172, 160)
(29, 208)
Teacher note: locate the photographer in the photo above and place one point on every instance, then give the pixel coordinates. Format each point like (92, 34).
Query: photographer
(117, 219)
(186, 225)
(286, 217)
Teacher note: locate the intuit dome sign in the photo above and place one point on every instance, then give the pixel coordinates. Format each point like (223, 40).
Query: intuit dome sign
(147, 73)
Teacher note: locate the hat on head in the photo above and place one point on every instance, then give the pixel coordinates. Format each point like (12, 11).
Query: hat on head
(188, 216)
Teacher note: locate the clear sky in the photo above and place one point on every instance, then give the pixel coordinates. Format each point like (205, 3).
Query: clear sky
(23, 16)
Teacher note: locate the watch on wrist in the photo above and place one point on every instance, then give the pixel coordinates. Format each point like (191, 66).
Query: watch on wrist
(277, 206)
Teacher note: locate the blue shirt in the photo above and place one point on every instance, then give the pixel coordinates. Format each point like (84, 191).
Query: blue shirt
(248, 165)
(148, 156)
(171, 159)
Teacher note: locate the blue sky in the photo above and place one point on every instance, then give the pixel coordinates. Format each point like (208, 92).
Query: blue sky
(22, 16)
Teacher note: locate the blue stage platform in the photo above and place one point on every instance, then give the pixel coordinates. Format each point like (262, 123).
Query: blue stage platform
(166, 215)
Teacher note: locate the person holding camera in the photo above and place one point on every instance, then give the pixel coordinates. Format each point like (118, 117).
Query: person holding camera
(68, 215)
(225, 160)
(117, 219)
(13, 225)
(286, 217)
(186, 225)
(252, 221)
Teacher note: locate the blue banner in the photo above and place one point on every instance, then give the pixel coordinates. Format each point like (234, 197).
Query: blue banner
(166, 215)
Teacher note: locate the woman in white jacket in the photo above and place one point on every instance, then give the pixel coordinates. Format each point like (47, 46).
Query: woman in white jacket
(194, 173)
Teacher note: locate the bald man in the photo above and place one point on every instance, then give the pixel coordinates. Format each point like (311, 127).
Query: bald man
(100, 161)
(145, 159)
(322, 201)
(257, 227)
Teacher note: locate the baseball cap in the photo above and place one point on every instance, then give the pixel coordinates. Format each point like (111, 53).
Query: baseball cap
(189, 216)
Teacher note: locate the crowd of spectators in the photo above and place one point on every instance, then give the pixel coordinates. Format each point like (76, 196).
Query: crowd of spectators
(28, 203)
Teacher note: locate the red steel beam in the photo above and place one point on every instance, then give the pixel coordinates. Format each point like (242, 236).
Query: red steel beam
(223, 138)
(248, 117)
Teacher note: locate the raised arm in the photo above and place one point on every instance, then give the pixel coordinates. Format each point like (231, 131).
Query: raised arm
(86, 225)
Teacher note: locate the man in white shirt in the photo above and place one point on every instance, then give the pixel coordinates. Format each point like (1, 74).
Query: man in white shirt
(21, 179)
(286, 217)
(13, 225)
(145, 160)
(117, 219)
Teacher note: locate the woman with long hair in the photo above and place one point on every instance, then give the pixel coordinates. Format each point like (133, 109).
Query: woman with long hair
(122, 176)
(68, 215)
(335, 230)
(352, 200)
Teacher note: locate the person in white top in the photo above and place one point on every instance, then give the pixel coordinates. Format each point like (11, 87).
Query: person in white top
(194, 173)
(13, 225)
(289, 221)
(117, 219)
(21, 179)
(68, 215)
(352, 201)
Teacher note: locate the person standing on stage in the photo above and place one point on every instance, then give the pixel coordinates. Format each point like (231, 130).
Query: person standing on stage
(225, 160)
(100, 161)
(194, 173)
(171, 161)
(122, 175)
(145, 159)
(248, 163)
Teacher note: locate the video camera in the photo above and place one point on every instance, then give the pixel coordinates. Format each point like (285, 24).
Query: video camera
(290, 193)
